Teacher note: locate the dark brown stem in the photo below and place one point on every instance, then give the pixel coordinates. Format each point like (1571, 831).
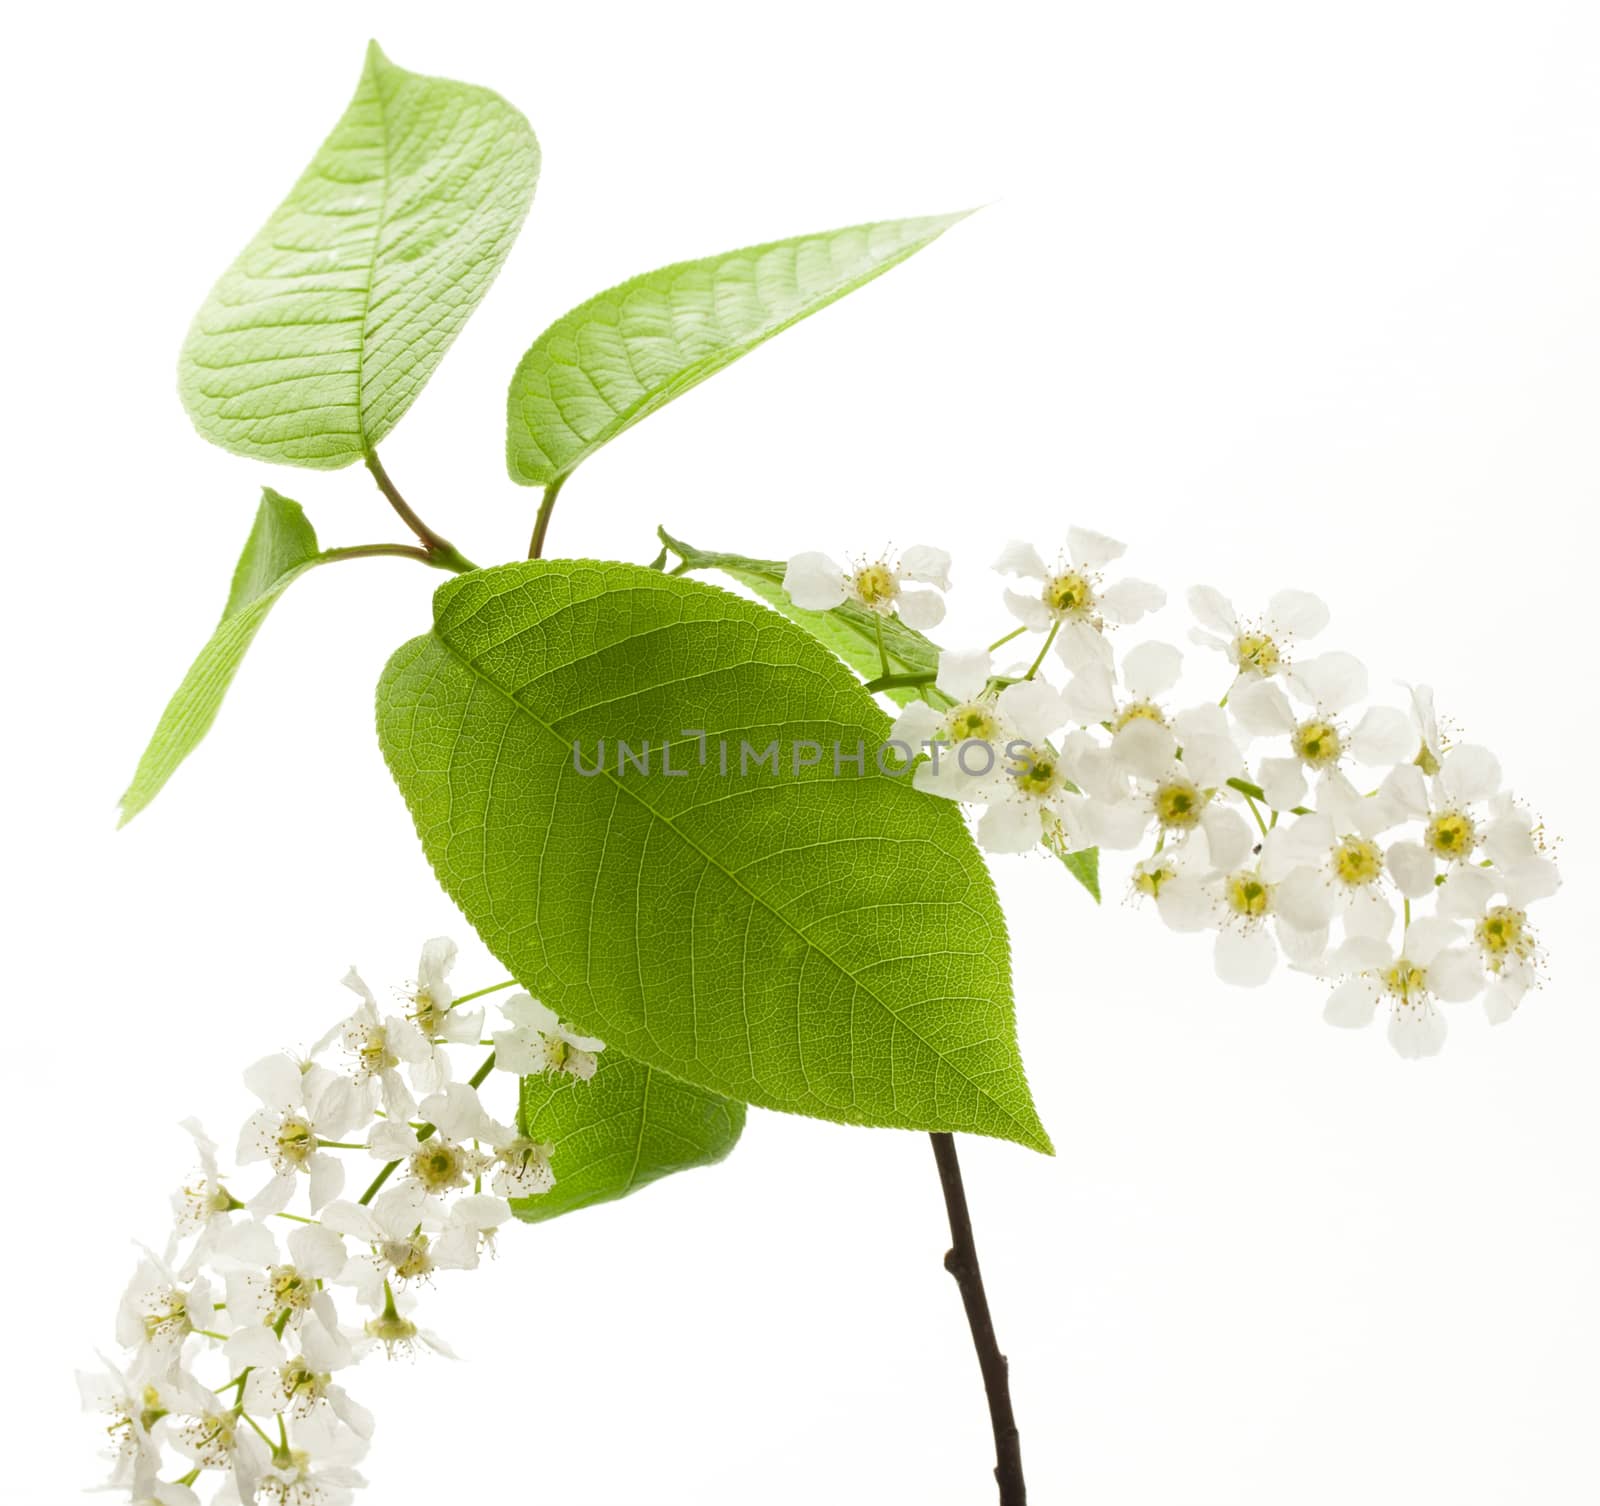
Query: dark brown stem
(962, 1262)
(440, 550)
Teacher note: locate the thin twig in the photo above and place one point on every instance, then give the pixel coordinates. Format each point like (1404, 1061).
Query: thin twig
(962, 1262)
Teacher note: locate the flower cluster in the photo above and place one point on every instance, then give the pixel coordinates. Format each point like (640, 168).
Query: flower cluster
(237, 1337)
(1356, 843)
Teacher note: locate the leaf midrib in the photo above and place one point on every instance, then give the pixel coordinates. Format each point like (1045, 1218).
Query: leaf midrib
(1031, 1136)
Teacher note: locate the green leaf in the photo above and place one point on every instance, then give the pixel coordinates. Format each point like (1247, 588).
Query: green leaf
(828, 944)
(614, 360)
(623, 1129)
(851, 631)
(1084, 865)
(282, 546)
(321, 334)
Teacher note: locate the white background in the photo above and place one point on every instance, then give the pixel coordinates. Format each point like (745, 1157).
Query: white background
(1280, 294)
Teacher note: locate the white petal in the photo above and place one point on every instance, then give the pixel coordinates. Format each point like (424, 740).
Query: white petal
(1384, 735)
(963, 672)
(1116, 827)
(275, 1080)
(274, 1197)
(254, 1344)
(1129, 599)
(920, 609)
(1469, 772)
(438, 957)
(1283, 782)
(1151, 669)
(1406, 788)
(1091, 550)
(354, 1219)
(1035, 709)
(1466, 892)
(1144, 748)
(1185, 904)
(389, 1140)
(1529, 882)
(1213, 610)
(457, 1113)
(1351, 1005)
(326, 1179)
(814, 582)
(1499, 1004)
(1091, 695)
(1227, 836)
(1455, 975)
(1304, 950)
(1262, 709)
(1010, 826)
(1297, 614)
(915, 725)
(1019, 558)
(317, 1251)
(1029, 610)
(922, 562)
(1416, 1030)
(1330, 682)
(1428, 937)
(1360, 954)
(1411, 866)
(1296, 843)
(1080, 644)
(1508, 840)
(523, 1009)
(1245, 958)
(1367, 912)
(1304, 900)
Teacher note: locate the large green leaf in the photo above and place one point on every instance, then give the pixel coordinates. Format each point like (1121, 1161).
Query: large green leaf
(282, 546)
(850, 630)
(623, 1129)
(321, 334)
(628, 351)
(828, 943)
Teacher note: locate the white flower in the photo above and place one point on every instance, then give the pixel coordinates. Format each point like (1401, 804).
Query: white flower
(1319, 742)
(209, 1433)
(130, 1401)
(1424, 967)
(300, 1383)
(433, 1000)
(1326, 870)
(444, 1162)
(276, 1289)
(302, 1106)
(1460, 817)
(815, 583)
(1256, 647)
(397, 1333)
(159, 1310)
(1072, 597)
(469, 1230)
(539, 1042)
(398, 1226)
(522, 1165)
(380, 1045)
(318, 1470)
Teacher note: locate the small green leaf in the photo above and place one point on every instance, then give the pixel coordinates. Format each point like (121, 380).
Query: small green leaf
(282, 546)
(321, 334)
(626, 1127)
(1084, 865)
(611, 361)
(827, 942)
(851, 631)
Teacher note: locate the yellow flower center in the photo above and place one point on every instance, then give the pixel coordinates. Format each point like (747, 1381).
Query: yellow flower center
(1451, 835)
(1258, 652)
(289, 1288)
(1248, 895)
(296, 1142)
(974, 719)
(429, 1017)
(1149, 880)
(1405, 980)
(1357, 861)
(409, 1257)
(1178, 804)
(1069, 594)
(1503, 932)
(438, 1166)
(1139, 711)
(1038, 773)
(876, 585)
(1426, 761)
(1317, 743)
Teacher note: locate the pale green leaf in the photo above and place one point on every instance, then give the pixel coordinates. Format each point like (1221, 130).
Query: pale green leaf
(828, 943)
(321, 334)
(625, 353)
(850, 630)
(623, 1129)
(282, 546)
(1084, 865)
